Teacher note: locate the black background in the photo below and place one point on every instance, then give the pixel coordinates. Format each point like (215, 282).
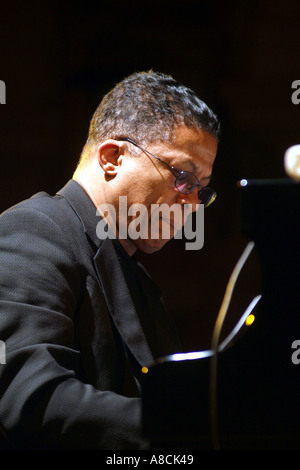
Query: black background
(57, 60)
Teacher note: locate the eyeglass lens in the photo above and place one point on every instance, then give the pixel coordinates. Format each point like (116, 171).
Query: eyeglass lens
(206, 196)
(186, 182)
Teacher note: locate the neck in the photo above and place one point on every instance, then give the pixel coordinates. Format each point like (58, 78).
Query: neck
(99, 197)
(87, 186)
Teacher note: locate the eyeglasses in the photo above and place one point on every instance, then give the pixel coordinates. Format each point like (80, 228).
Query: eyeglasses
(185, 181)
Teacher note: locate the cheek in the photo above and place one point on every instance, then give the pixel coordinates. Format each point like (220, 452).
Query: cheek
(150, 188)
(138, 192)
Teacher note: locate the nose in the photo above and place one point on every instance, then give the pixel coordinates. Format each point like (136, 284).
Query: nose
(191, 199)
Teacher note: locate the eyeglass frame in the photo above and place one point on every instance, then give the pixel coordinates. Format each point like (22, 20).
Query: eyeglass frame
(179, 172)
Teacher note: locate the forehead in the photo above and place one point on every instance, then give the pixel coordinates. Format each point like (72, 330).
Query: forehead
(192, 149)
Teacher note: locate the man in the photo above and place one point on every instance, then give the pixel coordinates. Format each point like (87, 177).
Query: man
(79, 317)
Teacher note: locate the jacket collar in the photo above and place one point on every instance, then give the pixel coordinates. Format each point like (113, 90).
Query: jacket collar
(84, 208)
(110, 275)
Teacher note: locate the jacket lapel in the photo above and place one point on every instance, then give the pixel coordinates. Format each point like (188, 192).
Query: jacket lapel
(119, 302)
(110, 276)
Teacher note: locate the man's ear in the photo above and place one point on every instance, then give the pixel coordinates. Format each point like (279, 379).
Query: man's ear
(108, 155)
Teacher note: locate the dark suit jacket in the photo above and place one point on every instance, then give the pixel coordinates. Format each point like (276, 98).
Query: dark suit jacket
(79, 319)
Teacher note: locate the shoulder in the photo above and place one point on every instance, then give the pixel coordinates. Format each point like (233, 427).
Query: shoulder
(41, 221)
(41, 209)
(42, 205)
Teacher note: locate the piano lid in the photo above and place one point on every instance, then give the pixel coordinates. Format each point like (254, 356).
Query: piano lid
(258, 384)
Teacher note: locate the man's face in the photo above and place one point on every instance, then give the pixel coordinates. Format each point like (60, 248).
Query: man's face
(151, 183)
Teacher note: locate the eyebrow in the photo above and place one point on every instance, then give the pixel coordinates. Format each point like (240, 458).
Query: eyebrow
(206, 177)
(195, 170)
(192, 165)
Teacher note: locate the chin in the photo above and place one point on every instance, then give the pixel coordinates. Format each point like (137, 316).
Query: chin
(150, 246)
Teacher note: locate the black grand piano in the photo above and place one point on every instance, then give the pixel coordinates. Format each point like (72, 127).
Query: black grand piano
(248, 395)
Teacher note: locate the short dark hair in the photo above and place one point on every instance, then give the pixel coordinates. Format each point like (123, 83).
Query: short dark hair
(147, 107)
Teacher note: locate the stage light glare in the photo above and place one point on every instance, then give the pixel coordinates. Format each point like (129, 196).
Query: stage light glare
(250, 319)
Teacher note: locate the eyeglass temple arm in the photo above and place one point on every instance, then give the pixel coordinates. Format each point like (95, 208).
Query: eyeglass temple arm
(127, 139)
